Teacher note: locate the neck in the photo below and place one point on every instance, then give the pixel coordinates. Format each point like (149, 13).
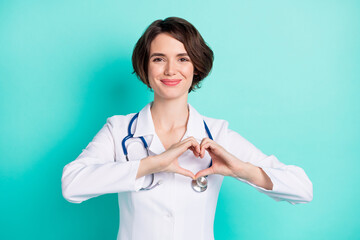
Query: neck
(169, 114)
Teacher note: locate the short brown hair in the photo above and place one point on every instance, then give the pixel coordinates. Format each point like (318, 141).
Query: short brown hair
(199, 52)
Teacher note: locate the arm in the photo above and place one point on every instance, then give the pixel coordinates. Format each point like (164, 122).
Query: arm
(94, 172)
(289, 183)
(248, 164)
(253, 174)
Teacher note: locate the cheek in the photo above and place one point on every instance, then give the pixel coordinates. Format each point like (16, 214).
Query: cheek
(189, 71)
(190, 68)
(150, 70)
(154, 71)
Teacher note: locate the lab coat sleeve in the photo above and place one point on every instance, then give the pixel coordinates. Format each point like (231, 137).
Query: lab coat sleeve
(94, 172)
(290, 183)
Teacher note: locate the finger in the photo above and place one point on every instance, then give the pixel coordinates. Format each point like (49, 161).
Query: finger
(192, 148)
(204, 172)
(193, 145)
(213, 147)
(203, 142)
(196, 150)
(185, 172)
(189, 143)
(189, 139)
(207, 146)
(186, 141)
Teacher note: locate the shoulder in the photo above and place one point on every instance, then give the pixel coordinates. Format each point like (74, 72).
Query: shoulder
(116, 121)
(212, 123)
(217, 127)
(215, 123)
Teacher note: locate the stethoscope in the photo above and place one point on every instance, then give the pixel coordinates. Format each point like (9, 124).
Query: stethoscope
(199, 185)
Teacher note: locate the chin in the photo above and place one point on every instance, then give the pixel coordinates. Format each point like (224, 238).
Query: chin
(171, 96)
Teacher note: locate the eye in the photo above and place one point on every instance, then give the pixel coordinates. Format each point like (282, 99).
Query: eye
(184, 60)
(157, 59)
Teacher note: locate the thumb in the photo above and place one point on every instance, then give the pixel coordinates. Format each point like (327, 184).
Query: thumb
(185, 172)
(204, 172)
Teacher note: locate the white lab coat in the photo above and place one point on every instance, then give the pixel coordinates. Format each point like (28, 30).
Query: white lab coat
(172, 210)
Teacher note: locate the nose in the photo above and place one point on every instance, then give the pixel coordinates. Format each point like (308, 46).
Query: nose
(170, 68)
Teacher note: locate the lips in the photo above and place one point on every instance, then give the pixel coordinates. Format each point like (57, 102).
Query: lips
(170, 82)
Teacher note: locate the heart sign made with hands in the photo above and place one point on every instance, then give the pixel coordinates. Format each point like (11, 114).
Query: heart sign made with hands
(223, 162)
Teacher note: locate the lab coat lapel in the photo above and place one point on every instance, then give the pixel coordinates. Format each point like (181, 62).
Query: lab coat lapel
(195, 126)
(145, 127)
(144, 124)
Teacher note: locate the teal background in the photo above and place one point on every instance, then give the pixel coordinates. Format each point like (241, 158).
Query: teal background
(286, 77)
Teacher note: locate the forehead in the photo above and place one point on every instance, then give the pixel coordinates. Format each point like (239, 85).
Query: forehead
(165, 43)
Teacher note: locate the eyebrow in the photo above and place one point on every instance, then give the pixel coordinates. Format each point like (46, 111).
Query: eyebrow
(163, 55)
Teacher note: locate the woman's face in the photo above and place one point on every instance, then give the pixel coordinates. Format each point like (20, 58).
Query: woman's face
(170, 70)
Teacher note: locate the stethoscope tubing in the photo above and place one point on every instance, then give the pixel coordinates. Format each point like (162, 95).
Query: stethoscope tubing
(196, 184)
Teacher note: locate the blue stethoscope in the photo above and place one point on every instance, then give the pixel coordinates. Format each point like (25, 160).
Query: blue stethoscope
(199, 185)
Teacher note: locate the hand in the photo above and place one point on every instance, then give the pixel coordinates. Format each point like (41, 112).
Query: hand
(223, 162)
(168, 160)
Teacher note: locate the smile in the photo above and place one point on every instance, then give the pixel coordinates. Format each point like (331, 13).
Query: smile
(170, 82)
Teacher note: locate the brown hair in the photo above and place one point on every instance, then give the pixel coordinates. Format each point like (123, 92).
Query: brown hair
(199, 52)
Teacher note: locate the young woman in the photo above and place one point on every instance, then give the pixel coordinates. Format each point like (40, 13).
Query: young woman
(167, 162)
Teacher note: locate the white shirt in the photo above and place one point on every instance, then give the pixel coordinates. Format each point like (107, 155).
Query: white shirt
(172, 210)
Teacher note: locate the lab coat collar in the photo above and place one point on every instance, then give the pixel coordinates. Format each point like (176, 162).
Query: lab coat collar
(145, 126)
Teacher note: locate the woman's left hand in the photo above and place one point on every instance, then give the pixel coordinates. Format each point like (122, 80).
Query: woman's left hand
(223, 162)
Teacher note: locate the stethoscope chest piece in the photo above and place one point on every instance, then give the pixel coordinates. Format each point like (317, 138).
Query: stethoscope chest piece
(200, 184)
